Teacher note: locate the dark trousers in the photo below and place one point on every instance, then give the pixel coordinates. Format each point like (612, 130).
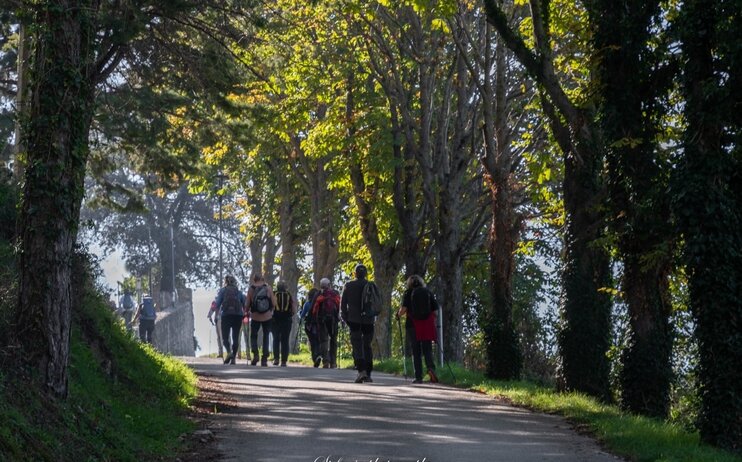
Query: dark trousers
(328, 340)
(231, 325)
(281, 335)
(420, 349)
(361, 336)
(311, 330)
(147, 330)
(255, 327)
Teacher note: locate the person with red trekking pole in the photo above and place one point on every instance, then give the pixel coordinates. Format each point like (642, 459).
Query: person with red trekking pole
(421, 309)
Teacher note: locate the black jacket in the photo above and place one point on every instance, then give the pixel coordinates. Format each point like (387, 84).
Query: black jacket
(351, 302)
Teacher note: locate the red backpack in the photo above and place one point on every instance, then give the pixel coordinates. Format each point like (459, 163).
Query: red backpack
(327, 305)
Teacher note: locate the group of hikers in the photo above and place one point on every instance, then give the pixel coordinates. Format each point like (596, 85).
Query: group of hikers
(357, 307)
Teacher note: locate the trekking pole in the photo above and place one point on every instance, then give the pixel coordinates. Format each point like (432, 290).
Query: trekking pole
(447, 364)
(404, 353)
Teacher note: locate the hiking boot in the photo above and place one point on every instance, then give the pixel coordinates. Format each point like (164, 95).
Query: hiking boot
(264, 363)
(317, 361)
(325, 366)
(254, 361)
(368, 379)
(228, 359)
(283, 364)
(417, 381)
(433, 377)
(275, 362)
(232, 359)
(361, 377)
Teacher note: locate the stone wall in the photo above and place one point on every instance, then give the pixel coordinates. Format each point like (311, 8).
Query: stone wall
(174, 328)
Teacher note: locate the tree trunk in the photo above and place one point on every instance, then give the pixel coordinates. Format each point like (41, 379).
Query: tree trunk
(22, 95)
(269, 259)
(586, 307)
(709, 211)
(289, 267)
(60, 114)
(629, 109)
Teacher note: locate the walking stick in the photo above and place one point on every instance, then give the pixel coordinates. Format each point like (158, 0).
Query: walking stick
(404, 353)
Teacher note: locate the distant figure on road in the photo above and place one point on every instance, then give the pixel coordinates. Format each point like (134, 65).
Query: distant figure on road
(283, 318)
(128, 305)
(310, 325)
(421, 308)
(326, 312)
(216, 320)
(360, 323)
(261, 300)
(231, 302)
(146, 314)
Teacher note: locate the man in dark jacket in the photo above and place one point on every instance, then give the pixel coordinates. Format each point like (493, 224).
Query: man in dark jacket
(361, 327)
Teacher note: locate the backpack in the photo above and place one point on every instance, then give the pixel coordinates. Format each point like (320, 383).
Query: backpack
(148, 309)
(284, 302)
(261, 302)
(370, 300)
(421, 305)
(327, 305)
(231, 301)
(128, 302)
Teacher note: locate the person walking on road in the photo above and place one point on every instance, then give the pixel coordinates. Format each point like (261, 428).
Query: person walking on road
(421, 309)
(231, 302)
(128, 305)
(326, 312)
(147, 315)
(283, 318)
(261, 300)
(216, 320)
(361, 324)
(310, 325)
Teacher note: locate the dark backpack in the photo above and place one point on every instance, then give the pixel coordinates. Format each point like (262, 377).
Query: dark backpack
(422, 303)
(328, 306)
(370, 300)
(128, 302)
(148, 309)
(284, 302)
(261, 302)
(231, 301)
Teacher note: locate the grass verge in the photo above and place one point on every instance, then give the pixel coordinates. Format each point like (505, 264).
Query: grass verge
(633, 437)
(126, 402)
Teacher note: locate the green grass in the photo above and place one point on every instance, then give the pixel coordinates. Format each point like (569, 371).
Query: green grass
(126, 401)
(633, 437)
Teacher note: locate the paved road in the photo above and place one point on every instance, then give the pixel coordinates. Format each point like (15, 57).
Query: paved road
(302, 414)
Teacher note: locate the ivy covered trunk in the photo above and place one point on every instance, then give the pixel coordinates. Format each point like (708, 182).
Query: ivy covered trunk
(503, 351)
(56, 134)
(708, 203)
(504, 359)
(630, 93)
(584, 337)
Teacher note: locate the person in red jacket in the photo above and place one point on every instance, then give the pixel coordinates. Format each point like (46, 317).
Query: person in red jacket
(421, 309)
(326, 312)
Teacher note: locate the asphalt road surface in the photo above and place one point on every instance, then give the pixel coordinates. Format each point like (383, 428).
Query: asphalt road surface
(302, 414)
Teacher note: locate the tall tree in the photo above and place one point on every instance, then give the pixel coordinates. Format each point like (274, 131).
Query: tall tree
(584, 337)
(66, 68)
(631, 84)
(708, 203)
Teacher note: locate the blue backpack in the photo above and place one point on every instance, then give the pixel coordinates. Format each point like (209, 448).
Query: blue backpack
(128, 302)
(148, 309)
